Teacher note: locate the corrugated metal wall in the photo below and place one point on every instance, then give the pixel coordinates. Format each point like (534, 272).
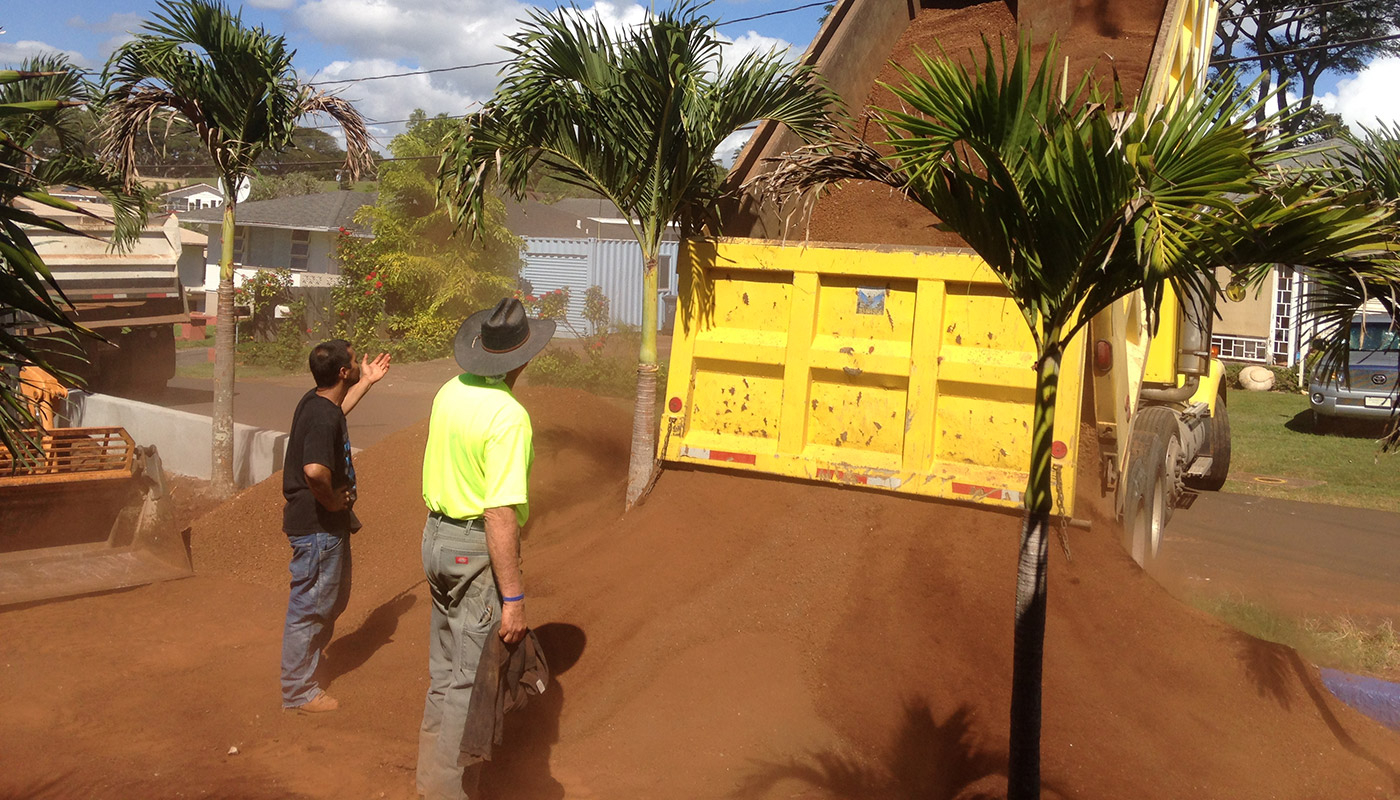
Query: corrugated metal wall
(613, 264)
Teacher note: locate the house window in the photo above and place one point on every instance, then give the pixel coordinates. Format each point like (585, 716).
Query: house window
(301, 249)
(663, 273)
(1242, 348)
(240, 238)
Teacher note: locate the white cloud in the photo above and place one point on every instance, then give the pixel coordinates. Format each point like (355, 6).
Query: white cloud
(1369, 97)
(276, 5)
(392, 36)
(728, 149)
(392, 99)
(753, 42)
(14, 53)
(426, 34)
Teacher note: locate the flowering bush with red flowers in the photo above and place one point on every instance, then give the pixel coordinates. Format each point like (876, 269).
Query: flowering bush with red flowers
(359, 299)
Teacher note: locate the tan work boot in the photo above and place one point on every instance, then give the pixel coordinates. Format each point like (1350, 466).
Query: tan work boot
(319, 704)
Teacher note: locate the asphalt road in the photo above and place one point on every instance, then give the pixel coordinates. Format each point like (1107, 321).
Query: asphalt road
(1300, 558)
(402, 398)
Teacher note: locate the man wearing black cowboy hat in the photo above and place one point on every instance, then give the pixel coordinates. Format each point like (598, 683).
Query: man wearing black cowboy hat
(475, 470)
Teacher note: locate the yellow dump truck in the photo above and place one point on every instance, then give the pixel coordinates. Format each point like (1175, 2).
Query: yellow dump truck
(910, 369)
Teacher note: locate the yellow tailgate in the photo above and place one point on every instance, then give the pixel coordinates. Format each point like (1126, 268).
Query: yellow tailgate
(909, 371)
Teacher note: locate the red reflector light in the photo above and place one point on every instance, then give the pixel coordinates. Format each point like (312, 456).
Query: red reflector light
(1059, 449)
(1215, 351)
(1103, 355)
(674, 405)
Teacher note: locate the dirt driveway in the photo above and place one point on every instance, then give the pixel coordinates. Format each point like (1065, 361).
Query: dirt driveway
(734, 637)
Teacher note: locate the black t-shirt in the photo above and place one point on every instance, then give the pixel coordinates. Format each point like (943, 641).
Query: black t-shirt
(318, 436)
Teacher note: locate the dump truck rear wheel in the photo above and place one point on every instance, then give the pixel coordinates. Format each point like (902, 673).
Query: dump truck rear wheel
(1217, 447)
(1154, 454)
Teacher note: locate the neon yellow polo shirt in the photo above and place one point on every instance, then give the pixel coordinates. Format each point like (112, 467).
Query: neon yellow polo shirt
(480, 447)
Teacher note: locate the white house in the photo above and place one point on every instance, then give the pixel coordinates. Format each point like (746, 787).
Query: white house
(297, 233)
(192, 198)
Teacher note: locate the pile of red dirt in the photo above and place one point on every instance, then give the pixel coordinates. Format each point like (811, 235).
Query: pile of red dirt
(1105, 37)
(733, 637)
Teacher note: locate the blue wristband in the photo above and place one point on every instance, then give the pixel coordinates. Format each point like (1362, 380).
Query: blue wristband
(515, 599)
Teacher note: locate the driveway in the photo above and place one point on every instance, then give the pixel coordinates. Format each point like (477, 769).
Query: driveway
(402, 398)
(1299, 558)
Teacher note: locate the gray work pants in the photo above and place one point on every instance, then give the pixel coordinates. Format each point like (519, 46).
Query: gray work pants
(465, 606)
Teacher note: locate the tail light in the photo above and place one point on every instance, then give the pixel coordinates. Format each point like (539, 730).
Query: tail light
(1103, 355)
(675, 405)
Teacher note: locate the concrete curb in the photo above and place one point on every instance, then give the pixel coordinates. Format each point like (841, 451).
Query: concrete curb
(1377, 699)
(182, 438)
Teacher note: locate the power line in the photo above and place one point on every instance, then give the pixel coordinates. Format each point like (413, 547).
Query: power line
(407, 74)
(1291, 9)
(1274, 53)
(503, 62)
(397, 121)
(774, 13)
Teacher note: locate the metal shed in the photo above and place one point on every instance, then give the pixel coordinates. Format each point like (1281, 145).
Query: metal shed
(613, 264)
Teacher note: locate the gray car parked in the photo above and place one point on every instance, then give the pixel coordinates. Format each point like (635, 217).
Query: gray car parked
(1368, 388)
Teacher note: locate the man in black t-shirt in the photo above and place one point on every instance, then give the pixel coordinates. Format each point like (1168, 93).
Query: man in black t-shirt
(318, 482)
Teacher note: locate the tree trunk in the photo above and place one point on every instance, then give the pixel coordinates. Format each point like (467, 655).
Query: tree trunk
(222, 469)
(1023, 775)
(644, 414)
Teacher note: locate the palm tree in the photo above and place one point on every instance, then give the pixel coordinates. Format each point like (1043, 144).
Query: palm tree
(1075, 204)
(237, 88)
(42, 143)
(635, 116)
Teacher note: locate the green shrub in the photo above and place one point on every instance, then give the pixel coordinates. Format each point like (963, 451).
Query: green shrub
(420, 337)
(613, 376)
(561, 365)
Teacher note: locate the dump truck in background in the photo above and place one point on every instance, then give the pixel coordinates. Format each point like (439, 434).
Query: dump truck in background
(883, 357)
(132, 297)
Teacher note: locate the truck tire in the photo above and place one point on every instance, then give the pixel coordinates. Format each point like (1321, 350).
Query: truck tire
(1217, 446)
(1154, 457)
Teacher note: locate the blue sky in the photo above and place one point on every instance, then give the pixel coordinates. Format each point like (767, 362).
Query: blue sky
(338, 39)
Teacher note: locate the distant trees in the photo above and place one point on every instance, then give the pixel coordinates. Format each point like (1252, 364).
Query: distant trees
(415, 282)
(1297, 41)
(271, 186)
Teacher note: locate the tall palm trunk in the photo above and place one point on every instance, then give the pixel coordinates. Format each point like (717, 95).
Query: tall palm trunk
(222, 470)
(644, 415)
(1023, 778)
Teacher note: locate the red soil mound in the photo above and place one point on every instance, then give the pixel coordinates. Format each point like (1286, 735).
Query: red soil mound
(733, 637)
(1106, 36)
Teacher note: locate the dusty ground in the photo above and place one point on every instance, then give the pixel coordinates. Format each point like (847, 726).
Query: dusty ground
(734, 637)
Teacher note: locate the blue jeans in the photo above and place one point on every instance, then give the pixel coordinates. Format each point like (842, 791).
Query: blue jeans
(465, 608)
(320, 589)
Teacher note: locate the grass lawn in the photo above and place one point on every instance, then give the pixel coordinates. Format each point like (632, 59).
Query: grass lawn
(186, 344)
(205, 370)
(1272, 435)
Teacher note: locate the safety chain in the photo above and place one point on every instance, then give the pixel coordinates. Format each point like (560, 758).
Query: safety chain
(1055, 471)
(656, 465)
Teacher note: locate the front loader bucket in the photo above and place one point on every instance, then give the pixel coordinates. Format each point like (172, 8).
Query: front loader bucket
(89, 513)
